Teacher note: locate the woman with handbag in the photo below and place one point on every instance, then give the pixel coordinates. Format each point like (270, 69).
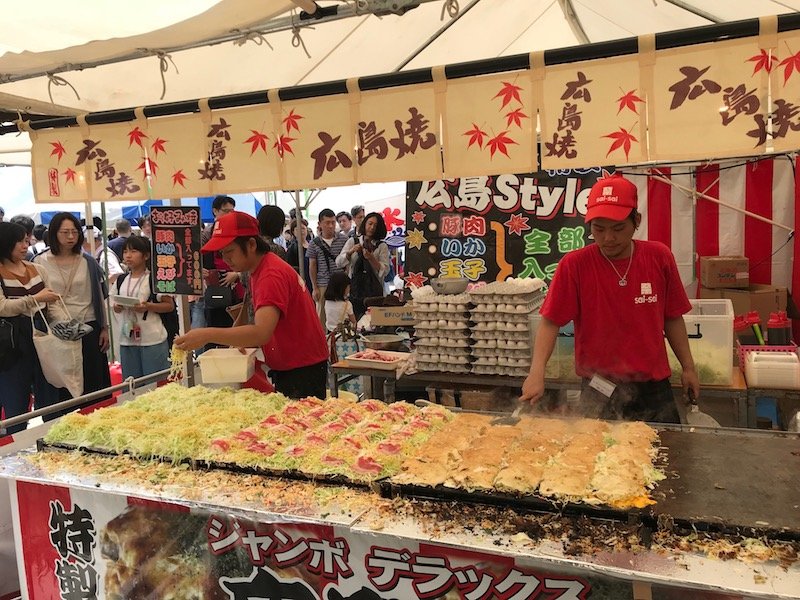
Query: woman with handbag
(24, 288)
(81, 283)
(366, 257)
(292, 253)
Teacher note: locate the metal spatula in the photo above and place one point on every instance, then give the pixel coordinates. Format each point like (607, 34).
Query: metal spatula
(511, 419)
(697, 418)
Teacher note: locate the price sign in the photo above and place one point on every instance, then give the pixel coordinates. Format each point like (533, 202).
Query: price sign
(176, 245)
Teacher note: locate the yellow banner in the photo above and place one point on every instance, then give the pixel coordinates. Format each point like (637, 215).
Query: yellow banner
(398, 135)
(56, 178)
(784, 67)
(593, 114)
(317, 143)
(708, 102)
(176, 148)
(490, 125)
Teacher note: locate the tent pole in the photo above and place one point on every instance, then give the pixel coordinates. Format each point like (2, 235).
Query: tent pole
(298, 233)
(622, 47)
(108, 300)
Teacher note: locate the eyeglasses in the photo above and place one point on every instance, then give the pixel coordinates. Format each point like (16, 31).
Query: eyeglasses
(68, 232)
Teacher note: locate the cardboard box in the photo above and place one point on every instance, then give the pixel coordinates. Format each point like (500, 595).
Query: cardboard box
(762, 298)
(724, 271)
(392, 316)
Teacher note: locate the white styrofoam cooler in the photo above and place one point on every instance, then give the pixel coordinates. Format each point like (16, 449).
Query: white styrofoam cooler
(780, 370)
(227, 365)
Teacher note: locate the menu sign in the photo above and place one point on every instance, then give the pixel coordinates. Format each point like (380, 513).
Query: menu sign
(176, 242)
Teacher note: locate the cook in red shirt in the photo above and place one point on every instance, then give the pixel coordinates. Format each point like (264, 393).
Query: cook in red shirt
(286, 325)
(624, 297)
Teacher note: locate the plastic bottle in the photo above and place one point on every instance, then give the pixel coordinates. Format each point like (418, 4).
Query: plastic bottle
(743, 332)
(776, 331)
(787, 325)
(754, 320)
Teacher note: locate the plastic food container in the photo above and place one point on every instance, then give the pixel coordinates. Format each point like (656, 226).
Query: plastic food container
(779, 370)
(709, 326)
(227, 365)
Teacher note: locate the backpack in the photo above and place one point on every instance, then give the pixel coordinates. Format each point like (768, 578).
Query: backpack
(169, 319)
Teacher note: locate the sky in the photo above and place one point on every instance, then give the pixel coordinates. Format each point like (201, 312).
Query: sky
(16, 196)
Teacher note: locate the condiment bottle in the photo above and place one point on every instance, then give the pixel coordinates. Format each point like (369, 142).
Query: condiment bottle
(776, 332)
(743, 331)
(754, 320)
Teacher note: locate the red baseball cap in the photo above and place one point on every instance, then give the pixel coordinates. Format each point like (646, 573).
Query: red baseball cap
(612, 198)
(228, 227)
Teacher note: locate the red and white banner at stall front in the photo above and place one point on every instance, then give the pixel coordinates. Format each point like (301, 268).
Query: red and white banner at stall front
(83, 544)
(704, 228)
(722, 99)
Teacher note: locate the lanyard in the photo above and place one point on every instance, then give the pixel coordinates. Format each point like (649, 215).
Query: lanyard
(132, 293)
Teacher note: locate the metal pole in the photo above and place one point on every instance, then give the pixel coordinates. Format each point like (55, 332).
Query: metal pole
(621, 47)
(298, 233)
(108, 300)
(129, 385)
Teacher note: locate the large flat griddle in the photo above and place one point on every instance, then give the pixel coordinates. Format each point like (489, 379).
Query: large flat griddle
(731, 479)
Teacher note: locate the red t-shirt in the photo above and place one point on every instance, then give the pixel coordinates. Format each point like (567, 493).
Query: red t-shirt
(619, 331)
(298, 340)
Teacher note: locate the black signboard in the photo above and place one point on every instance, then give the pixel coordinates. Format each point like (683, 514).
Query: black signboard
(176, 247)
(489, 228)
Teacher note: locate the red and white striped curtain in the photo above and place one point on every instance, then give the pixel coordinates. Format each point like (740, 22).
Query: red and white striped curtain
(701, 227)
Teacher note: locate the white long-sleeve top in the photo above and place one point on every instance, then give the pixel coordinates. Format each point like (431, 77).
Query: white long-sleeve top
(381, 253)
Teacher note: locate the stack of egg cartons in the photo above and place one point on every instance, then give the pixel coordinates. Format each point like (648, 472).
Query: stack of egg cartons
(501, 326)
(442, 331)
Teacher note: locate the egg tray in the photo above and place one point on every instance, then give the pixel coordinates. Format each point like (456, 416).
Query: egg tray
(501, 326)
(430, 331)
(477, 335)
(501, 353)
(476, 297)
(442, 307)
(463, 315)
(505, 308)
(443, 299)
(502, 344)
(441, 367)
(504, 371)
(444, 324)
(428, 342)
(443, 359)
(500, 317)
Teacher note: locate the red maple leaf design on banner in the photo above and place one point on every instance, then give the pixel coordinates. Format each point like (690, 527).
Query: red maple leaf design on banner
(790, 64)
(629, 100)
(763, 60)
(499, 143)
(178, 178)
(256, 141)
(148, 164)
(58, 150)
(515, 116)
(415, 279)
(508, 92)
(283, 144)
(622, 139)
(516, 224)
(158, 146)
(135, 136)
(418, 217)
(291, 121)
(476, 136)
(69, 176)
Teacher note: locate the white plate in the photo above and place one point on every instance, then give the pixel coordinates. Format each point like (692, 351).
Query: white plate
(397, 358)
(125, 300)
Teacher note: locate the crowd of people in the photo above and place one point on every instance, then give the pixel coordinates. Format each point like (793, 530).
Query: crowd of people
(254, 295)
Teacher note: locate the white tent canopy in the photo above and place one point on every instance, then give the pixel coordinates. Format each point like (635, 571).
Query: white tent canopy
(48, 36)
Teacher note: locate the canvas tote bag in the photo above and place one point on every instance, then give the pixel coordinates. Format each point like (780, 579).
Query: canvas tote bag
(61, 360)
